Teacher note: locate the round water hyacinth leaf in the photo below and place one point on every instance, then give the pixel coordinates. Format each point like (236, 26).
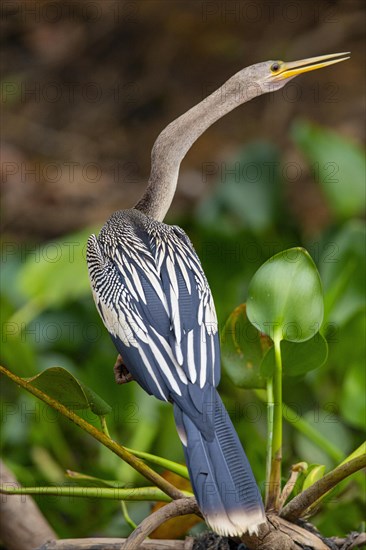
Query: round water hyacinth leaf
(64, 387)
(297, 357)
(242, 348)
(285, 299)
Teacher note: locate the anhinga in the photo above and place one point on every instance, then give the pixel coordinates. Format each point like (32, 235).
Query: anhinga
(155, 301)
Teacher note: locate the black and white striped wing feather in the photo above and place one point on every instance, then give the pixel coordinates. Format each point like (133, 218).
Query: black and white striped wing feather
(155, 301)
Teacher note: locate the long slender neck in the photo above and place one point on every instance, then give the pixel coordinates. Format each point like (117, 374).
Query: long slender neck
(178, 137)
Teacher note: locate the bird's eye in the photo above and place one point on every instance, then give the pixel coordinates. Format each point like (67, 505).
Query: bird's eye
(275, 67)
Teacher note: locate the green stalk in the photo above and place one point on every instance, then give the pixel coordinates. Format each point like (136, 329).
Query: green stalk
(160, 461)
(127, 516)
(303, 502)
(179, 469)
(103, 424)
(274, 489)
(270, 409)
(133, 493)
(25, 314)
(316, 437)
(119, 450)
(309, 431)
(361, 450)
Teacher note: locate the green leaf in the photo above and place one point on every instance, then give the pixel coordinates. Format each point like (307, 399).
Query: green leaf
(343, 272)
(361, 450)
(338, 165)
(285, 297)
(297, 357)
(347, 345)
(252, 173)
(97, 405)
(242, 350)
(353, 405)
(327, 423)
(316, 473)
(54, 274)
(61, 385)
(15, 349)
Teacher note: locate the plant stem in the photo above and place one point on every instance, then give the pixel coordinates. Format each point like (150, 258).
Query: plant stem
(308, 430)
(361, 450)
(103, 424)
(179, 469)
(127, 516)
(298, 505)
(312, 433)
(296, 470)
(119, 450)
(270, 409)
(274, 489)
(108, 493)
(180, 507)
(26, 313)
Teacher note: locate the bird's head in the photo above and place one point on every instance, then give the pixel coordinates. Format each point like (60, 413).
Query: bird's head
(273, 75)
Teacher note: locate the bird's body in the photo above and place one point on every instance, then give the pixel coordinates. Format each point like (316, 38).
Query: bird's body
(160, 302)
(155, 301)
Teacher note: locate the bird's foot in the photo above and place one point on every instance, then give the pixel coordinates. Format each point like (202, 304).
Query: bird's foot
(121, 373)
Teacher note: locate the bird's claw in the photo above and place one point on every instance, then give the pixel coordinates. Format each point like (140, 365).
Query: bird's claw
(121, 373)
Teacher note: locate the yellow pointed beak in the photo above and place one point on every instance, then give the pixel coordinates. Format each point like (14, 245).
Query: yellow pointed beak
(287, 70)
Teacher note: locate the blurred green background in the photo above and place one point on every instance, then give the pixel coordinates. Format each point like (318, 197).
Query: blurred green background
(86, 88)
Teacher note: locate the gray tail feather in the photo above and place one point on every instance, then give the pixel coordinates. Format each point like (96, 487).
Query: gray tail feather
(221, 476)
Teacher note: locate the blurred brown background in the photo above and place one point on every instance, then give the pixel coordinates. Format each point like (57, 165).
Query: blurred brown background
(88, 85)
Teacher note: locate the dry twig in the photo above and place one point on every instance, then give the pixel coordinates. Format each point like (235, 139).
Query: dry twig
(179, 507)
(116, 544)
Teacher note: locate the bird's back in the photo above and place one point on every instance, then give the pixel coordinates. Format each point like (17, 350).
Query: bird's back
(155, 301)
